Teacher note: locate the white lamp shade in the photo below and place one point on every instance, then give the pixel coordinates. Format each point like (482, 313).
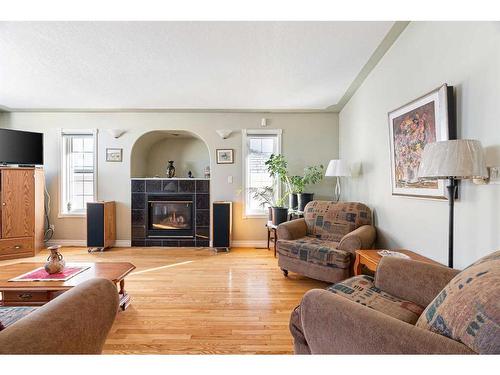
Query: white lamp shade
(460, 159)
(337, 168)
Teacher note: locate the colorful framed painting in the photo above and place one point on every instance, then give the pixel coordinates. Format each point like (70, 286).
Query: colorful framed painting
(114, 154)
(225, 156)
(428, 119)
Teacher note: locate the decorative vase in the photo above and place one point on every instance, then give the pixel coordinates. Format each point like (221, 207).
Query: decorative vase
(55, 262)
(170, 169)
(292, 201)
(280, 215)
(304, 199)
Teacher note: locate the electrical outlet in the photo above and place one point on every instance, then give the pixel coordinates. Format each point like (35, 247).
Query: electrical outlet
(52, 226)
(229, 179)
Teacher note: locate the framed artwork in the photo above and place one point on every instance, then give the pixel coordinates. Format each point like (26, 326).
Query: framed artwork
(428, 119)
(225, 156)
(114, 154)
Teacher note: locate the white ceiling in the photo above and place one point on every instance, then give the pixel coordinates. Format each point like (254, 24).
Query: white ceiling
(182, 65)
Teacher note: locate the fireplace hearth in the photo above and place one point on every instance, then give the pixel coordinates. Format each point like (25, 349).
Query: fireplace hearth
(172, 212)
(170, 216)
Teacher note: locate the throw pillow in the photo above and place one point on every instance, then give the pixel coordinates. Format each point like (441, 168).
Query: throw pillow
(468, 308)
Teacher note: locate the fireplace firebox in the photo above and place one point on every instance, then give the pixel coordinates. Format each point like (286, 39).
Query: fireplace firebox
(170, 216)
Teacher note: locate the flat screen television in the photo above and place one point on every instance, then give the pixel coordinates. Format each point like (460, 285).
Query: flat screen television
(20, 147)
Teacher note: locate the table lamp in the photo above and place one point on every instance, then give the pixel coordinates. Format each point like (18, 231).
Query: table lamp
(460, 159)
(337, 168)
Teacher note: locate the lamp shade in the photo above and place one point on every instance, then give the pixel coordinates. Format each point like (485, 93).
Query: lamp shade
(460, 159)
(337, 168)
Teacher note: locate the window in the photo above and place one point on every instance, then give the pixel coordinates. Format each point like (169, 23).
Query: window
(258, 145)
(78, 171)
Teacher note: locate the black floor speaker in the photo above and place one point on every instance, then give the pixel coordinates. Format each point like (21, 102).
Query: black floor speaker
(222, 225)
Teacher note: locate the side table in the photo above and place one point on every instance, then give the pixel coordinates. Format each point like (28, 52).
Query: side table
(272, 228)
(370, 259)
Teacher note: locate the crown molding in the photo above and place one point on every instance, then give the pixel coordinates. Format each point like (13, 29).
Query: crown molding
(372, 62)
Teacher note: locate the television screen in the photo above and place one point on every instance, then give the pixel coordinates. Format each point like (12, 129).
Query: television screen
(20, 147)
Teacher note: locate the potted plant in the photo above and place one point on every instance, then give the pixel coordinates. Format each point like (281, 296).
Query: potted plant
(296, 186)
(266, 197)
(277, 168)
(312, 175)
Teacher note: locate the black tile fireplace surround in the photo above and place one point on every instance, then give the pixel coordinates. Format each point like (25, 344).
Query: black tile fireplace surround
(170, 212)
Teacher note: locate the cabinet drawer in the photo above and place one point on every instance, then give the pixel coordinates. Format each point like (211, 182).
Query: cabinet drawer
(26, 296)
(13, 246)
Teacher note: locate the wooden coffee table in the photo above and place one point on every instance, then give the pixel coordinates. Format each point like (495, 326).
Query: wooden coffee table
(370, 259)
(38, 293)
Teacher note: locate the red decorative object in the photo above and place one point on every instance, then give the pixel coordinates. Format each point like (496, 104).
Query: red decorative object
(40, 274)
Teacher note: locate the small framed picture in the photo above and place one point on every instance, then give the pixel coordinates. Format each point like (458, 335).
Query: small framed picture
(225, 156)
(114, 154)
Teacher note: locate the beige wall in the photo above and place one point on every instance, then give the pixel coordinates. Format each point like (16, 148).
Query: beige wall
(307, 139)
(426, 55)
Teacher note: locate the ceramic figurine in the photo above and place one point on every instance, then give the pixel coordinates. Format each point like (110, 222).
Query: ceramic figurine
(55, 262)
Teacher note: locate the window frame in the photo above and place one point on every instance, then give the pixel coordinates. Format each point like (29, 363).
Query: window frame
(63, 171)
(246, 134)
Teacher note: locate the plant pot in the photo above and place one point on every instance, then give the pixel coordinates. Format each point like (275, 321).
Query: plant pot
(270, 214)
(303, 199)
(280, 215)
(292, 201)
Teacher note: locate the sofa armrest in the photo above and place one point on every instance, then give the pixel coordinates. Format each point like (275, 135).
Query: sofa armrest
(360, 238)
(76, 322)
(412, 280)
(293, 229)
(333, 324)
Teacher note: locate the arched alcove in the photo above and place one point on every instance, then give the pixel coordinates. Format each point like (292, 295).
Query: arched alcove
(152, 151)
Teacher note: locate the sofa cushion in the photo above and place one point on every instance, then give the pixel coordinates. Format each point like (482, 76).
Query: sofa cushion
(468, 308)
(331, 221)
(316, 251)
(10, 315)
(361, 289)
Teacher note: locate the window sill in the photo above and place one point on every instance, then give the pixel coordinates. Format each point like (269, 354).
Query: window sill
(255, 216)
(75, 215)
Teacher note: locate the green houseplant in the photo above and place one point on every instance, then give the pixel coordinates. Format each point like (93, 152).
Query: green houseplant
(277, 168)
(312, 175)
(266, 197)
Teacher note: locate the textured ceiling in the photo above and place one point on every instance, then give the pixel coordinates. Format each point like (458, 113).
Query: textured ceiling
(182, 65)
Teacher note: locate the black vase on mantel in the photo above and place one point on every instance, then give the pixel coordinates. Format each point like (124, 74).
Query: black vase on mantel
(303, 199)
(170, 169)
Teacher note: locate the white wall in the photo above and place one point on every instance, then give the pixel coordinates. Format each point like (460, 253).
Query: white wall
(426, 55)
(310, 138)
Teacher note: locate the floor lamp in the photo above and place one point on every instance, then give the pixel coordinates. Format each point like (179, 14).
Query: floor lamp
(337, 168)
(460, 159)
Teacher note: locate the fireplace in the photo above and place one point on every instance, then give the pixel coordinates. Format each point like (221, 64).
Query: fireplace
(170, 212)
(170, 216)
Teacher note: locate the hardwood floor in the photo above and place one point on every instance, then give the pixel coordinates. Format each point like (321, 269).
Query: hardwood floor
(193, 301)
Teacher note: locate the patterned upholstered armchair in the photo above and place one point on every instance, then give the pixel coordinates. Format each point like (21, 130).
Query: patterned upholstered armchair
(410, 307)
(322, 245)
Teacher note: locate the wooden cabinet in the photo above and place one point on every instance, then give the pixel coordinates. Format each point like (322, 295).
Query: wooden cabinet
(21, 212)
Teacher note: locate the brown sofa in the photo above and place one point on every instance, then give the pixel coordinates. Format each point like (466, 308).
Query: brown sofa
(322, 245)
(387, 315)
(76, 322)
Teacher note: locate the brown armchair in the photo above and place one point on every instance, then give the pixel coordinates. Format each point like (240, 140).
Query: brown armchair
(387, 315)
(322, 245)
